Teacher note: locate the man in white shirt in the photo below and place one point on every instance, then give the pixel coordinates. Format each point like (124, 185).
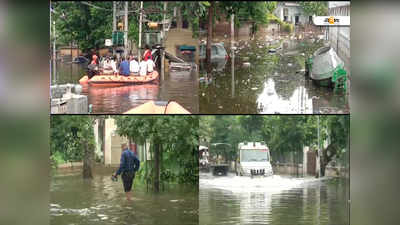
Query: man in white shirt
(134, 66)
(114, 65)
(107, 67)
(150, 66)
(143, 68)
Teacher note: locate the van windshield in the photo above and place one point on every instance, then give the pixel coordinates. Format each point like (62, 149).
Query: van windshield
(254, 156)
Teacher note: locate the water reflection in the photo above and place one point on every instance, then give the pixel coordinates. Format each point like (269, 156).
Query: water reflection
(264, 81)
(279, 200)
(120, 99)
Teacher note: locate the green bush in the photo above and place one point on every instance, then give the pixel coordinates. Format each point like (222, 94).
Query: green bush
(56, 159)
(288, 27)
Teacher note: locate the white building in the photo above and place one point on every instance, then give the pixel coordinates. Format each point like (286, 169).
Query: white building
(108, 143)
(292, 12)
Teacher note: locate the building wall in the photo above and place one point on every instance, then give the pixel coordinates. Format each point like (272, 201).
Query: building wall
(178, 37)
(339, 37)
(112, 144)
(67, 51)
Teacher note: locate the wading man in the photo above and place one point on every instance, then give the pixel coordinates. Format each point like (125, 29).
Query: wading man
(128, 167)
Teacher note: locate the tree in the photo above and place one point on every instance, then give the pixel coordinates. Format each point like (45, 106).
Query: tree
(174, 141)
(87, 26)
(271, 6)
(337, 130)
(314, 7)
(73, 138)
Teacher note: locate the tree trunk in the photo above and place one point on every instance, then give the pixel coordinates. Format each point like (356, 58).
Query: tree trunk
(322, 166)
(161, 167)
(209, 32)
(179, 21)
(156, 183)
(325, 159)
(87, 161)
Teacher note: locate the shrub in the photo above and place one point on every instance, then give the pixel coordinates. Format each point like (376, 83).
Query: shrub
(287, 27)
(56, 159)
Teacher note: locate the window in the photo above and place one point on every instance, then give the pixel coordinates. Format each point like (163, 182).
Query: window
(286, 12)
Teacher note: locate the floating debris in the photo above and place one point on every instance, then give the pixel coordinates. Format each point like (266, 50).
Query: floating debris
(55, 205)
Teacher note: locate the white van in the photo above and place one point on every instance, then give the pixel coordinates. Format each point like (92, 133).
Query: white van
(254, 159)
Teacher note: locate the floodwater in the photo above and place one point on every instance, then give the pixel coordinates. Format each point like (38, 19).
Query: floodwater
(181, 87)
(277, 200)
(255, 80)
(74, 200)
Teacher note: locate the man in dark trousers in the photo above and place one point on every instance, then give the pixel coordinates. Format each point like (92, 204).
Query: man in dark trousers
(128, 167)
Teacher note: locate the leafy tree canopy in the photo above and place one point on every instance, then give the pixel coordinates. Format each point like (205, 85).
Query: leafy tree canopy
(318, 8)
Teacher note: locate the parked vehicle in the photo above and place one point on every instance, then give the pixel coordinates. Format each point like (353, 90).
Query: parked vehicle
(218, 52)
(254, 160)
(218, 164)
(80, 60)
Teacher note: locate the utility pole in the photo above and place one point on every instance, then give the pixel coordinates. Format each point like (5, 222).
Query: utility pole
(232, 32)
(163, 41)
(209, 35)
(318, 154)
(114, 21)
(140, 31)
(126, 30)
(233, 53)
(54, 53)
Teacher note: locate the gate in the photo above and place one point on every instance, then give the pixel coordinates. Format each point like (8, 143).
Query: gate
(311, 162)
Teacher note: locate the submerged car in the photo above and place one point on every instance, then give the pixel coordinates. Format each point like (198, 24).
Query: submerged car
(80, 60)
(254, 160)
(218, 52)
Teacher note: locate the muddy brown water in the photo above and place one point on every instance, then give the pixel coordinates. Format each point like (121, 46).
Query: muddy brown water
(255, 81)
(74, 200)
(181, 87)
(277, 200)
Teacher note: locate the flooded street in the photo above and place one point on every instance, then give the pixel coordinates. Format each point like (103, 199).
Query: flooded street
(177, 86)
(277, 200)
(101, 201)
(267, 77)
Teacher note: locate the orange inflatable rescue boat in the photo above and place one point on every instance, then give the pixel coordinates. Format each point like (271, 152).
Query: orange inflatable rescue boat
(158, 107)
(118, 80)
